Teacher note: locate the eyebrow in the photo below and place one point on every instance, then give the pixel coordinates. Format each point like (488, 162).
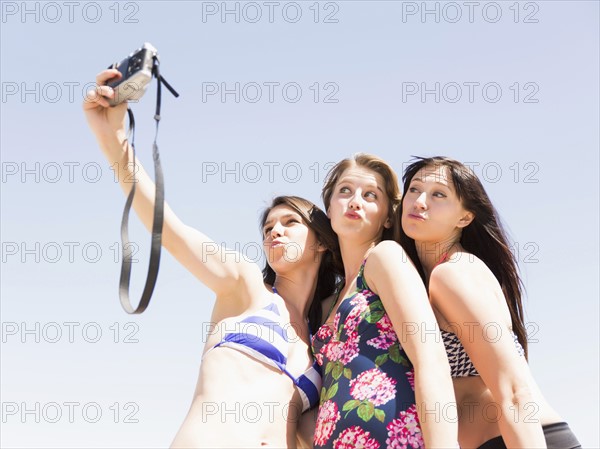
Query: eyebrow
(343, 180)
(437, 182)
(283, 217)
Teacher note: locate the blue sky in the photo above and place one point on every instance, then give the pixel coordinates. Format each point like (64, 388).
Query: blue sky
(270, 95)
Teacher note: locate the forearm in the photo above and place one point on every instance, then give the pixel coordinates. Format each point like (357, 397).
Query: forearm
(119, 156)
(436, 406)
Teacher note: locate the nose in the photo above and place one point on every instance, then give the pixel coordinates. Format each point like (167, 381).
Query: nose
(277, 230)
(421, 201)
(355, 202)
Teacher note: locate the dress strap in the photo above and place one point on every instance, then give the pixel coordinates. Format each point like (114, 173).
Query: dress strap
(361, 283)
(335, 301)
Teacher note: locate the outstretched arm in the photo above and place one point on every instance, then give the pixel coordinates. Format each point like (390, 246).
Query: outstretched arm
(227, 273)
(391, 274)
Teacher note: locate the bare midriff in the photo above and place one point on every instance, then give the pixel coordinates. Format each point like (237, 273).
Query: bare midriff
(478, 412)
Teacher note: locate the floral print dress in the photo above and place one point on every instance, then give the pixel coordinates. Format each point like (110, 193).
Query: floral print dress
(367, 399)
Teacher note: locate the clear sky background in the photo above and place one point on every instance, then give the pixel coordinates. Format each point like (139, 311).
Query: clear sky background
(511, 88)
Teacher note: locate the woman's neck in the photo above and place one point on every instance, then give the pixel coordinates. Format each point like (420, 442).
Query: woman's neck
(433, 253)
(353, 255)
(297, 288)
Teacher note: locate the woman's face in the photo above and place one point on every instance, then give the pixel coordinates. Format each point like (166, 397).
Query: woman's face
(287, 240)
(431, 210)
(359, 205)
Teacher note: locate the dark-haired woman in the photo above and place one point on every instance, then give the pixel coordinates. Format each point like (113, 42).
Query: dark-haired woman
(452, 231)
(257, 375)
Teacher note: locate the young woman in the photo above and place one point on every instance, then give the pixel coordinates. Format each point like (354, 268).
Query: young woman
(386, 380)
(257, 373)
(451, 229)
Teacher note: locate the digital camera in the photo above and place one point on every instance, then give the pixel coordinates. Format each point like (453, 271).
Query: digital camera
(136, 70)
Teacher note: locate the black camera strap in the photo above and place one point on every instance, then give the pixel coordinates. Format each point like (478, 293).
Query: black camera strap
(157, 224)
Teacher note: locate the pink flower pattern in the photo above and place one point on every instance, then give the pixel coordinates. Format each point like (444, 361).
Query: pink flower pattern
(355, 438)
(374, 386)
(404, 432)
(319, 359)
(324, 332)
(365, 402)
(327, 418)
(410, 375)
(360, 306)
(344, 351)
(387, 336)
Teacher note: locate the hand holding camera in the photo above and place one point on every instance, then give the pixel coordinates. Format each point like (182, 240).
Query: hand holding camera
(136, 73)
(106, 122)
(120, 83)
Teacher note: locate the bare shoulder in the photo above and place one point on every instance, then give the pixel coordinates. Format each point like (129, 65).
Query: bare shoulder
(462, 267)
(464, 279)
(386, 248)
(389, 267)
(386, 253)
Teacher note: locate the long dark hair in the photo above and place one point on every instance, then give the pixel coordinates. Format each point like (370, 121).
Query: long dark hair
(331, 268)
(484, 237)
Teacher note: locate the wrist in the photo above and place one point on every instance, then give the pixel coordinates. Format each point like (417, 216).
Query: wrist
(114, 146)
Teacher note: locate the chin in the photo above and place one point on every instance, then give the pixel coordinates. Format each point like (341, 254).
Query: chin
(349, 228)
(279, 269)
(281, 264)
(410, 234)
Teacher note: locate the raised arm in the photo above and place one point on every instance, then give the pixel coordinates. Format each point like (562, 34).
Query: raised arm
(464, 293)
(227, 273)
(390, 273)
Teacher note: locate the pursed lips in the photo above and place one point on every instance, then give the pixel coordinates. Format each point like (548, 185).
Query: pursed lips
(353, 215)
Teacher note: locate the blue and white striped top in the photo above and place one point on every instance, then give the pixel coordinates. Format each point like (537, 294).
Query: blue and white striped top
(261, 337)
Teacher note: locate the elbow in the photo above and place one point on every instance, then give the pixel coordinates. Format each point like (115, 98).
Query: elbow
(521, 395)
(518, 397)
(174, 234)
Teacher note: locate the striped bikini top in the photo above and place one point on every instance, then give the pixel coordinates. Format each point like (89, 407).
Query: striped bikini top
(261, 337)
(460, 363)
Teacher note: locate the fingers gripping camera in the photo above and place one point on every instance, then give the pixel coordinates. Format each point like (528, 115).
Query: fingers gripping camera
(136, 73)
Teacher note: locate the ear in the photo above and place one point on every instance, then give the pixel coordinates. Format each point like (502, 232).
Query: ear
(387, 224)
(321, 248)
(466, 219)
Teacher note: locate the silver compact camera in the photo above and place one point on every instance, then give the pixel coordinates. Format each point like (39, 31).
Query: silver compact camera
(137, 71)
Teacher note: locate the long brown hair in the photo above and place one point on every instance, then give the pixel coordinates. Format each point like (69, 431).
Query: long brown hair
(379, 166)
(331, 268)
(484, 237)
